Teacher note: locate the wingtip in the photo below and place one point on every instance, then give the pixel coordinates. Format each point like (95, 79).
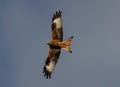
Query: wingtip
(57, 14)
(46, 73)
(60, 11)
(71, 37)
(70, 51)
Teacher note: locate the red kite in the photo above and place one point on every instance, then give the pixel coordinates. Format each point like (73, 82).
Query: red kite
(55, 44)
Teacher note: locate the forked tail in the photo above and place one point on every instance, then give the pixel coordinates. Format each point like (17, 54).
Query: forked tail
(66, 44)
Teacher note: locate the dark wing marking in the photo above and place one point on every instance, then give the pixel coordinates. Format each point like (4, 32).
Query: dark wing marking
(50, 62)
(54, 34)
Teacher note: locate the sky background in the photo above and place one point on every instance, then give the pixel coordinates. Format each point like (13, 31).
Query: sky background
(25, 28)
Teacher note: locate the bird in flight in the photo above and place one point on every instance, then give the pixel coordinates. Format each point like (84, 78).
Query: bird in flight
(56, 44)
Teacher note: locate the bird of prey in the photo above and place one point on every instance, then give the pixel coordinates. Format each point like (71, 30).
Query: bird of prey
(56, 44)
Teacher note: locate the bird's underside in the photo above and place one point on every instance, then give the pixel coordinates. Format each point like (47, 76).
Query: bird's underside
(65, 44)
(55, 44)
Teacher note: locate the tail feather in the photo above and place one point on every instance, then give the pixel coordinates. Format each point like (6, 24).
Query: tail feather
(66, 44)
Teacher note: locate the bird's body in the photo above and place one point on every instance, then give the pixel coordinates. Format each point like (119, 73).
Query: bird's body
(55, 44)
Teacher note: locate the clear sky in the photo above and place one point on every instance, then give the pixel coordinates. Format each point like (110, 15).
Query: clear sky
(25, 28)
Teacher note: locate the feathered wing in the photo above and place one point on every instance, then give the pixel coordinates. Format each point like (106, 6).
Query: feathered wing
(53, 55)
(51, 62)
(58, 21)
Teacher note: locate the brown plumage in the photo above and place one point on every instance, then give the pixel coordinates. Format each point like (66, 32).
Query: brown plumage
(55, 44)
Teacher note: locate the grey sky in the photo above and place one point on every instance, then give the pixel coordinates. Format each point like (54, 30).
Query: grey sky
(25, 28)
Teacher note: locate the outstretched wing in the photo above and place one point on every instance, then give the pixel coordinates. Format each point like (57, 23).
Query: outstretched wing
(53, 56)
(51, 62)
(57, 20)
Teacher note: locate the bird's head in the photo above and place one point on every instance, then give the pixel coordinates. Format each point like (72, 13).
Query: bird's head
(48, 43)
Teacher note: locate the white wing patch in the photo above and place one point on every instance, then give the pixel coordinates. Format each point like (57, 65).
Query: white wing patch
(58, 22)
(51, 66)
